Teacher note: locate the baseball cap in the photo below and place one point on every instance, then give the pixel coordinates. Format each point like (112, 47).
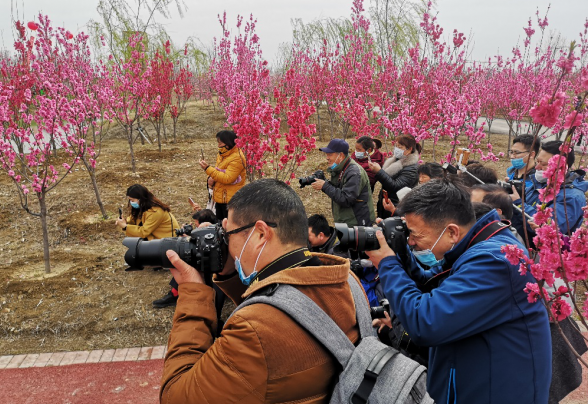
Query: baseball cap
(336, 146)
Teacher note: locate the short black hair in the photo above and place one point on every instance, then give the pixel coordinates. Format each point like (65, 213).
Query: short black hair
(366, 142)
(553, 146)
(205, 215)
(480, 209)
(319, 224)
(500, 200)
(439, 202)
(432, 170)
(271, 200)
(529, 142)
(486, 174)
(488, 187)
(228, 137)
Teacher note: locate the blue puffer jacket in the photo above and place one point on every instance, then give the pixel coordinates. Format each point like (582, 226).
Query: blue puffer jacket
(575, 188)
(488, 343)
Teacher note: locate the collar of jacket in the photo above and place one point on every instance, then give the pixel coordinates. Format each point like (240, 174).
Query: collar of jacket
(392, 166)
(334, 270)
(452, 255)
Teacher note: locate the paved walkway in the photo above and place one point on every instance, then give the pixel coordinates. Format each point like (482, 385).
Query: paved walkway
(113, 376)
(130, 375)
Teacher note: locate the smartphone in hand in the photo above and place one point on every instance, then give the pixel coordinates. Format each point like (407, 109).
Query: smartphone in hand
(119, 213)
(202, 153)
(385, 193)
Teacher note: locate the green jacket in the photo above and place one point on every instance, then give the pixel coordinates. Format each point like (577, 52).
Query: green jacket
(350, 193)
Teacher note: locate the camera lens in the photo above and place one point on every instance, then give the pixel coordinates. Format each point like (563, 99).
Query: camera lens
(357, 238)
(143, 253)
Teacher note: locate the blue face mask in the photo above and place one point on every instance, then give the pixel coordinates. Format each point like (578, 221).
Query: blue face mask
(426, 257)
(518, 163)
(334, 165)
(135, 205)
(359, 154)
(246, 280)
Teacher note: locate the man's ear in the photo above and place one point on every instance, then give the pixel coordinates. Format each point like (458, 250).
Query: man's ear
(499, 211)
(265, 232)
(454, 232)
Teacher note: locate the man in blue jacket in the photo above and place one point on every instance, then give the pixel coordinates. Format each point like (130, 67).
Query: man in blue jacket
(571, 197)
(488, 343)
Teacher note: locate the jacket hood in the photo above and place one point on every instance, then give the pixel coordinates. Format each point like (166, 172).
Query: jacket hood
(334, 270)
(576, 180)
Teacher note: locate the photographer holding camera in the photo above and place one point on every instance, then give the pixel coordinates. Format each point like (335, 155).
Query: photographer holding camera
(488, 343)
(262, 355)
(349, 187)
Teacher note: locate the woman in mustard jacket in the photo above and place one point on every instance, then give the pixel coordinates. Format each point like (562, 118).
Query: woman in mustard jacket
(229, 174)
(150, 218)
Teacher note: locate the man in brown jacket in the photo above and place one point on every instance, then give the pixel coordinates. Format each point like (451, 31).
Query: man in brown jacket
(262, 355)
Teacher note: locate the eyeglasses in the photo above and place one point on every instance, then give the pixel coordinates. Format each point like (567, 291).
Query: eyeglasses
(240, 229)
(516, 152)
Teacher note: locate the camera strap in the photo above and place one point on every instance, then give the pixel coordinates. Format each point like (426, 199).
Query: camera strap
(292, 259)
(484, 234)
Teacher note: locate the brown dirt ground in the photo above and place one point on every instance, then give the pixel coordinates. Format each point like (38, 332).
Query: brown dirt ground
(89, 301)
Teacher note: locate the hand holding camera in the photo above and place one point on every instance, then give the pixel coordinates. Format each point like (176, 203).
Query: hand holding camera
(181, 271)
(384, 251)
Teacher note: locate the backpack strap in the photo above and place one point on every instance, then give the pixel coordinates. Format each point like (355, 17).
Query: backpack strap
(314, 320)
(371, 374)
(488, 231)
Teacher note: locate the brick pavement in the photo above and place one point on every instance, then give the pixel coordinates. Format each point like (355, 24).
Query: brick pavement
(79, 357)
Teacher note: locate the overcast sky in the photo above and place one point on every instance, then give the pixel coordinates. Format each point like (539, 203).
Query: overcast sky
(496, 25)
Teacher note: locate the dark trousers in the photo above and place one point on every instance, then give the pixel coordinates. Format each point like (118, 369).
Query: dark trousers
(221, 211)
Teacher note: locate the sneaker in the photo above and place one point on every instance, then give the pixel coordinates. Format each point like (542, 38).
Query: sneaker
(165, 301)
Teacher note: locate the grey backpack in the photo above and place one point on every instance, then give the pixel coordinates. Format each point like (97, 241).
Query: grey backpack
(372, 372)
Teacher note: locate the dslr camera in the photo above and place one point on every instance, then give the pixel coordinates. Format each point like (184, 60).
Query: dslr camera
(204, 250)
(378, 311)
(362, 238)
(507, 186)
(318, 175)
(186, 230)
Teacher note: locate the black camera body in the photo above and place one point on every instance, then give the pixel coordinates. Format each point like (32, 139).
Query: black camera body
(204, 250)
(318, 175)
(507, 186)
(362, 238)
(186, 230)
(379, 311)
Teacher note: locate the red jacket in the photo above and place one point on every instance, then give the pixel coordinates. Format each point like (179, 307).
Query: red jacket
(376, 157)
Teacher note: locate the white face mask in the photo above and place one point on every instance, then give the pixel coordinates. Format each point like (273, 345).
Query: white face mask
(539, 176)
(398, 153)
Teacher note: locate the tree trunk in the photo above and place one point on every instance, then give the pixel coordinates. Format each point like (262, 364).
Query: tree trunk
(92, 173)
(164, 130)
(140, 134)
(130, 137)
(175, 122)
(43, 205)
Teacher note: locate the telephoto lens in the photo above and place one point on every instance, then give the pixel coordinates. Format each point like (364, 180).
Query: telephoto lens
(204, 250)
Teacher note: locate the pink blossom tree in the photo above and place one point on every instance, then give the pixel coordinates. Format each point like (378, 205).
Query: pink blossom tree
(49, 113)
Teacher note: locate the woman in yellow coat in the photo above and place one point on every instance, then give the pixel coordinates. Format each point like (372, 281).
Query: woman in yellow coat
(150, 218)
(229, 174)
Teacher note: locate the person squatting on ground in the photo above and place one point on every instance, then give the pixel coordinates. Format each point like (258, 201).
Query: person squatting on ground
(261, 355)
(150, 218)
(365, 152)
(348, 188)
(229, 174)
(399, 171)
(488, 344)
